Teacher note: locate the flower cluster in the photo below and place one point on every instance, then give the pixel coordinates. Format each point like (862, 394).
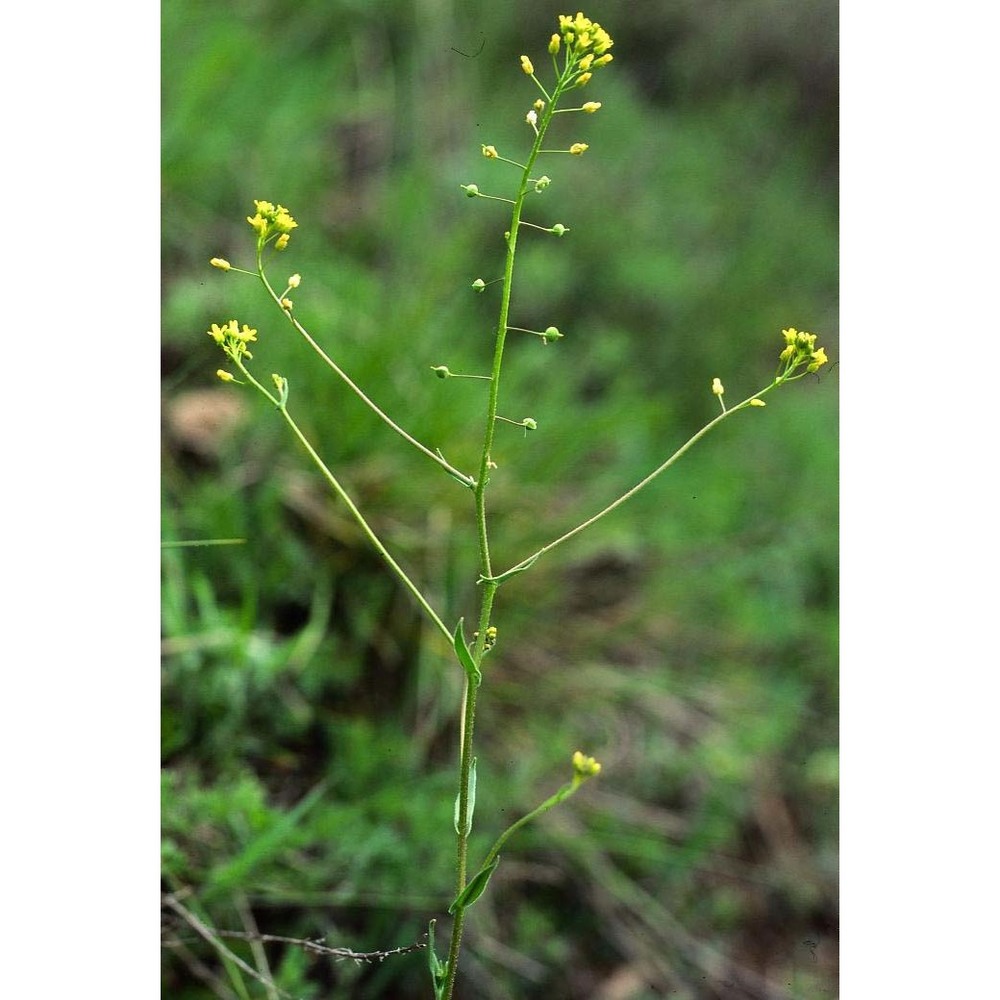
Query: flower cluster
(233, 341)
(272, 222)
(587, 45)
(800, 349)
(584, 766)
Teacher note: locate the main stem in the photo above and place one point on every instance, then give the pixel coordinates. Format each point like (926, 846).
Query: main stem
(485, 565)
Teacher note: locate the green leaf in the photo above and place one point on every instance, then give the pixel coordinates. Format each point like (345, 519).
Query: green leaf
(465, 657)
(438, 969)
(472, 800)
(433, 962)
(475, 888)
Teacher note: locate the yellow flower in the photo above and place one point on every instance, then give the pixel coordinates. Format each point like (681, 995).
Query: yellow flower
(272, 220)
(526, 65)
(585, 62)
(221, 263)
(819, 359)
(246, 334)
(490, 152)
(579, 148)
(283, 222)
(584, 766)
(286, 304)
(800, 348)
(583, 36)
(218, 333)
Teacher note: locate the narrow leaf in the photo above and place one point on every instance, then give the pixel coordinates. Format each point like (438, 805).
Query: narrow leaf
(433, 962)
(465, 657)
(475, 888)
(472, 801)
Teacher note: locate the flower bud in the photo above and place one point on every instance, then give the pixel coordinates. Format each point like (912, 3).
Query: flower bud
(591, 106)
(225, 376)
(579, 148)
(526, 65)
(281, 242)
(583, 766)
(757, 402)
(542, 183)
(582, 79)
(490, 152)
(294, 281)
(221, 263)
(553, 45)
(717, 387)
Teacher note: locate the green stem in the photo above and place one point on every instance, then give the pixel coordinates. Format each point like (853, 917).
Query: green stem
(434, 456)
(366, 528)
(525, 563)
(351, 506)
(489, 588)
(553, 800)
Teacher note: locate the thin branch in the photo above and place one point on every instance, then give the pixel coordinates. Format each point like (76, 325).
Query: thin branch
(212, 938)
(259, 955)
(315, 945)
(199, 970)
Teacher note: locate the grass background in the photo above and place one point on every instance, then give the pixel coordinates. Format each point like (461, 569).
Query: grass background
(689, 641)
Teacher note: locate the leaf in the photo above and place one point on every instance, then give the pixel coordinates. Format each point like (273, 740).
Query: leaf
(465, 657)
(472, 800)
(475, 888)
(438, 969)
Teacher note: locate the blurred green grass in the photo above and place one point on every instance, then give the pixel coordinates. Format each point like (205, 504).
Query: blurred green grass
(689, 640)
